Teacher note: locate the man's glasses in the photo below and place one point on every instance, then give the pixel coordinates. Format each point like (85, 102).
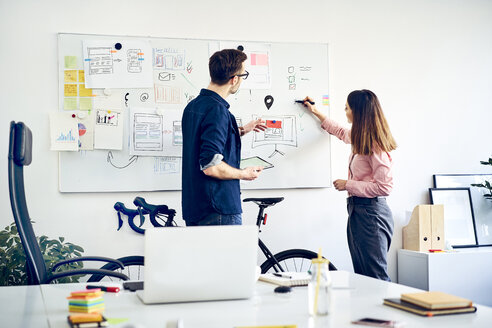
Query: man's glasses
(244, 76)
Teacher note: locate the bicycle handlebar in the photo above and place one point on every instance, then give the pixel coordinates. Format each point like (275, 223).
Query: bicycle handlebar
(130, 213)
(155, 210)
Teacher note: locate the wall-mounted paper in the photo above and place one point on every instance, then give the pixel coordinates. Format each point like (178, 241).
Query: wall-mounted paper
(117, 63)
(258, 63)
(86, 131)
(108, 131)
(146, 132)
(64, 132)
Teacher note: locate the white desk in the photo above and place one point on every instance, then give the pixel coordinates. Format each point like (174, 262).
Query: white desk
(467, 272)
(22, 306)
(360, 297)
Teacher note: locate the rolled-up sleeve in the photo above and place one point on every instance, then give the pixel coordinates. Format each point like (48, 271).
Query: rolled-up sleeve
(381, 183)
(214, 137)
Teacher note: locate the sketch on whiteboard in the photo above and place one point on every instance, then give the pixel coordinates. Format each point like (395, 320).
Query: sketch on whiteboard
(166, 94)
(106, 65)
(177, 134)
(134, 60)
(166, 76)
(281, 130)
(131, 160)
(107, 118)
(146, 133)
(167, 165)
(169, 58)
(100, 60)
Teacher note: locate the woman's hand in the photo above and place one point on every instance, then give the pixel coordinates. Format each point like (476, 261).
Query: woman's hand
(313, 109)
(255, 125)
(340, 185)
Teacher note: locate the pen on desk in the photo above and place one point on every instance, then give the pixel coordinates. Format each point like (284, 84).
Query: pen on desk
(104, 289)
(283, 275)
(303, 101)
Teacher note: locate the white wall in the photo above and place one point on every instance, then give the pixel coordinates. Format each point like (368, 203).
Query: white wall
(428, 61)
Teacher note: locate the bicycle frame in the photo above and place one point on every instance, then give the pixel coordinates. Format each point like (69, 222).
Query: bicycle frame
(268, 254)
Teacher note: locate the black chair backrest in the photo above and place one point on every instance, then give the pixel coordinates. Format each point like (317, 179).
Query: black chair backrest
(20, 155)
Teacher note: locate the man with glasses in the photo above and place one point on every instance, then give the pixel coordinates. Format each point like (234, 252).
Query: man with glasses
(212, 147)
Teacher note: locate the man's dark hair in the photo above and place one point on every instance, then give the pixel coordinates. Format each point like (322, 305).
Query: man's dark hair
(224, 64)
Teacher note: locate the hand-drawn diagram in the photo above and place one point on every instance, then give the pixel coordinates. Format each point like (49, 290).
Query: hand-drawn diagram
(131, 160)
(100, 60)
(281, 130)
(165, 94)
(169, 58)
(167, 165)
(106, 117)
(134, 60)
(291, 77)
(147, 134)
(177, 134)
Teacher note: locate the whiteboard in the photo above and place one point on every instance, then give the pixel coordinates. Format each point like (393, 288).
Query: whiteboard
(294, 142)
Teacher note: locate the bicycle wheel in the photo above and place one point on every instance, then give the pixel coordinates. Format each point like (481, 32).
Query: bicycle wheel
(292, 260)
(133, 269)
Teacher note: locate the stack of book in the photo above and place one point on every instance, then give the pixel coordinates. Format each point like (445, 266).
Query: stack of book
(86, 301)
(431, 303)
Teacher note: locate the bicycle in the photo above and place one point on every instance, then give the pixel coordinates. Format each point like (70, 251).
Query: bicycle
(289, 260)
(298, 260)
(133, 264)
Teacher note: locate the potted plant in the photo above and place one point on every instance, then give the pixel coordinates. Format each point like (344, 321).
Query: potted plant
(13, 259)
(487, 184)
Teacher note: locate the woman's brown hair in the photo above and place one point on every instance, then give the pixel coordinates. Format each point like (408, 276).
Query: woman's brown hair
(370, 130)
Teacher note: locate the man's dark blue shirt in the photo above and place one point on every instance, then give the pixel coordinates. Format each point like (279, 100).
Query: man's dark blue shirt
(209, 129)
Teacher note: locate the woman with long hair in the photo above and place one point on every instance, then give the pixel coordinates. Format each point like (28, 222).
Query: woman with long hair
(370, 180)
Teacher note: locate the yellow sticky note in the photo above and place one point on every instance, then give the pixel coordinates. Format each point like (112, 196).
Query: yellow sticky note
(83, 92)
(71, 76)
(70, 90)
(81, 75)
(70, 61)
(85, 103)
(70, 103)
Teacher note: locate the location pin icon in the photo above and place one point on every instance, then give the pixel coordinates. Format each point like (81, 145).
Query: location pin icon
(268, 101)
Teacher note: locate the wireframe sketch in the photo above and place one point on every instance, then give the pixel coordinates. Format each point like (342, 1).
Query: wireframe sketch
(177, 134)
(165, 94)
(281, 130)
(169, 58)
(167, 165)
(100, 60)
(147, 132)
(134, 60)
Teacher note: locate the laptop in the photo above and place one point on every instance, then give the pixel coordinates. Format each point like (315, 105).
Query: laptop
(202, 263)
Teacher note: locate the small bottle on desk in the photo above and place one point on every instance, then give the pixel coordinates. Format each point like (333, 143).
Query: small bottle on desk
(319, 288)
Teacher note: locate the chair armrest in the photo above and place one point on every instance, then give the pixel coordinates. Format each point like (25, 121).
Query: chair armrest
(88, 258)
(102, 272)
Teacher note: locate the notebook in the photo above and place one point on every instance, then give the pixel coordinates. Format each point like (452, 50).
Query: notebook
(199, 263)
(297, 279)
(436, 300)
(409, 307)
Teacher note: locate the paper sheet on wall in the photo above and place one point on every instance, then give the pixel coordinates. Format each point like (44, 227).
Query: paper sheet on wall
(117, 63)
(85, 124)
(172, 133)
(108, 130)
(64, 132)
(258, 63)
(146, 132)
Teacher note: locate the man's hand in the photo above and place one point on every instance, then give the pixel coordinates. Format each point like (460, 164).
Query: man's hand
(340, 185)
(251, 173)
(255, 125)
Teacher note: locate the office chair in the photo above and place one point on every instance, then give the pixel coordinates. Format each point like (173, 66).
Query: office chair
(20, 155)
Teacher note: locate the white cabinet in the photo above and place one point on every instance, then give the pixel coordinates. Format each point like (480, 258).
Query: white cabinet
(465, 272)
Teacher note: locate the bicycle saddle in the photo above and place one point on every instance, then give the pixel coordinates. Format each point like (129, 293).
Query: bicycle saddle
(264, 201)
